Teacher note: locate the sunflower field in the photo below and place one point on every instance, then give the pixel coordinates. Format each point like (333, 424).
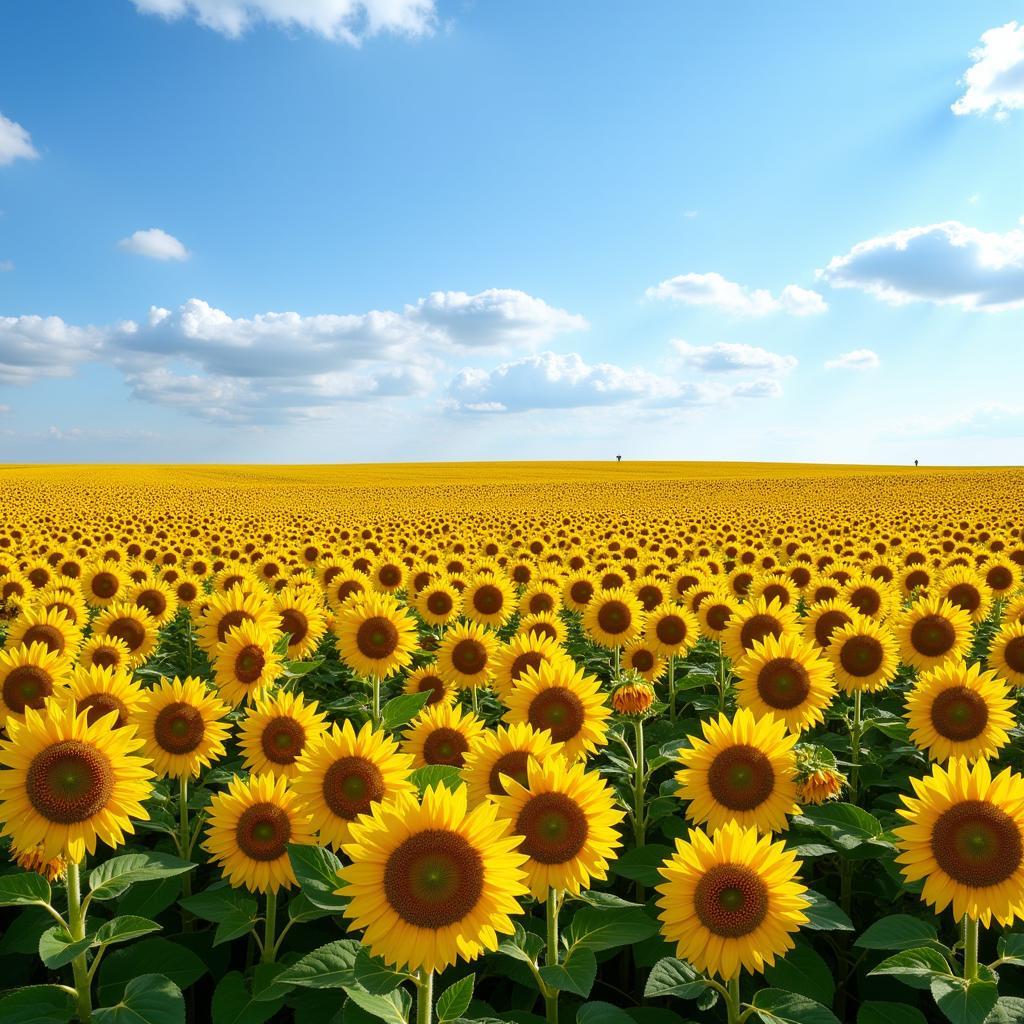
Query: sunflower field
(606, 744)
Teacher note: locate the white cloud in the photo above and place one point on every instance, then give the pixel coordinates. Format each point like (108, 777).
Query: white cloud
(947, 263)
(764, 388)
(15, 142)
(725, 357)
(714, 290)
(155, 244)
(347, 21)
(995, 81)
(6, 266)
(858, 359)
(33, 346)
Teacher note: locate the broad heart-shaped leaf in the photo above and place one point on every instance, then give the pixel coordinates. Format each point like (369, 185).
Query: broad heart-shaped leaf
(803, 971)
(915, 967)
(148, 999)
(233, 926)
(846, 825)
(124, 929)
(57, 948)
(1011, 948)
(114, 876)
(1008, 1010)
(455, 1000)
(963, 1001)
(219, 902)
(641, 864)
(898, 931)
(889, 1013)
(522, 945)
(392, 1008)
(598, 928)
(602, 1013)
(576, 973)
(330, 966)
(433, 775)
(375, 976)
(120, 966)
(825, 916)
(23, 888)
(403, 708)
(301, 909)
(672, 977)
(37, 1004)
(776, 1006)
(234, 1002)
(316, 870)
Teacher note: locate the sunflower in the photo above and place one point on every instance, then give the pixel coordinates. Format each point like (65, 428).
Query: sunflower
(224, 612)
(775, 586)
(651, 591)
(103, 583)
(343, 774)
(931, 630)
(787, 678)
(540, 596)
(28, 676)
(504, 751)
(578, 591)
(914, 580)
(64, 598)
(466, 655)
(69, 783)
(1002, 576)
(1007, 653)
(547, 624)
(376, 635)
(250, 828)
(489, 600)
(276, 730)
(441, 735)
(98, 691)
(957, 710)
(872, 597)
(105, 652)
(125, 621)
(187, 589)
(863, 655)
(1014, 611)
(966, 589)
(732, 900)
(755, 620)
(431, 882)
(560, 699)
(301, 616)
(157, 597)
(742, 771)
(438, 602)
(427, 678)
(522, 652)
(613, 617)
(32, 859)
(182, 725)
(672, 629)
(633, 697)
(824, 618)
(344, 585)
(716, 613)
(53, 629)
(965, 838)
(246, 663)
(236, 576)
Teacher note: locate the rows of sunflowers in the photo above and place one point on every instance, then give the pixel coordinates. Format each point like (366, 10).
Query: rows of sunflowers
(393, 758)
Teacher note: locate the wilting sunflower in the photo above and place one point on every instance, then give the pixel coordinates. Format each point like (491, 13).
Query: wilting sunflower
(225, 612)
(742, 771)
(578, 591)
(249, 831)
(276, 730)
(53, 629)
(1007, 653)
(755, 620)
(787, 678)
(641, 656)
(672, 629)
(438, 602)
(105, 652)
(466, 655)
(28, 676)
(427, 678)
(633, 698)
(376, 635)
(730, 901)
(824, 618)
(157, 598)
(567, 817)
(131, 624)
(441, 735)
(489, 600)
(301, 616)
(98, 691)
(69, 783)
(863, 655)
(547, 624)
(561, 699)
(931, 630)
(716, 613)
(103, 583)
(504, 751)
(965, 838)
(956, 710)
(521, 653)
(343, 774)
(182, 725)
(430, 882)
(613, 617)
(246, 663)
(33, 859)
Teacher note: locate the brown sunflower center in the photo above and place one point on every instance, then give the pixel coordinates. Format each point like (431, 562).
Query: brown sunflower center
(488, 599)
(187, 591)
(554, 828)
(731, 900)
(741, 777)
(861, 655)
(757, 627)
(866, 600)
(933, 636)
(542, 628)
(435, 686)
(827, 623)
(69, 781)
(977, 844)
(671, 630)
(525, 661)
(106, 657)
(542, 602)
(179, 728)
(783, 683)
(104, 585)
(558, 710)
(445, 746)
(512, 764)
(377, 638)
(777, 592)
(614, 617)
(434, 878)
(717, 617)
(1013, 653)
(43, 633)
(282, 740)
(966, 596)
(346, 589)
(999, 577)
(389, 575)
(263, 831)
(99, 704)
(130, 630)
(351, 786)
(439, 603)
(649, 596)
(582, 591)
(27, 686)
(917, 578)
(229, 621)
(295, 624)
(642, 659)
(469, 657)
(959, 714)
(249, 663)
(154, 601)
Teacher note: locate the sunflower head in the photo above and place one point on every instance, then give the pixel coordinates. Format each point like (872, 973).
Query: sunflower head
(98, 691)
(756, 620)
(28, 676)
(276, 730)
(863, 654)
(376, 635)
(441, 735)
(52, 628)
(613, 617)
(523, 652)
(931, 630)
(428, 678)
(1007, 653)
(641, 657)
(633, 697)
(246, 663)
(489, 600)
(506, 750)
(134, 626)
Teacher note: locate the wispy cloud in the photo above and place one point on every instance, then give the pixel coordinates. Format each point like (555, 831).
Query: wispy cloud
(15, 142)
(858, 359)
(717, 292)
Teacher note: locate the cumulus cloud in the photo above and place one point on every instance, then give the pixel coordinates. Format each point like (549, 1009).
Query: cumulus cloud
(947, 263)
(725, 357)
(995, 81)
(858, 359)
(15, 142)
(155, 244)
(714, 290)
(32, 347)
(348, 21)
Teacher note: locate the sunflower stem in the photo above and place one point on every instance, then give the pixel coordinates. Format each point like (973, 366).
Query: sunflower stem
(733, 1002)
(424, 995)
(638, 785)
(617, 661)
(184, 847)
(76, 928)
(375, 683)
(476, 701)
(672, 687)
(721, 677)
(971, 935)
(856, 727)
(551, 959)
(270, 930)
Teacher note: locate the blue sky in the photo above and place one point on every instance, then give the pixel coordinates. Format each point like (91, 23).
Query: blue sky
(404, 229)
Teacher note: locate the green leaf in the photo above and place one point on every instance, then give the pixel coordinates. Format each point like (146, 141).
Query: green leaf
(433, 775)
(119, 966)
(1008, 1010)
(915, 967)
(297, 669)
(576, 973)
(824, 916)
(603, 899)
(672, 977)
(898, 931)
(523, 945)
(124, 929)
(330, 966)
(316, 870)
(114, 876)
(150, 899)
(375, 976)
(234, 1003)
(846, 825)
(216, 904)
(403, 708)
(596, 928)
(234, 926)
(58, 949)
(1011, 948)
(889, 1013)
(641, 864)
(963, 1001)
(22, 889)
(392, 1008)
(776, 1006)
(37, 1004)
(148, 999)
(454, 1001)
(602, 1013)
(301, 908)
(803, 971)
